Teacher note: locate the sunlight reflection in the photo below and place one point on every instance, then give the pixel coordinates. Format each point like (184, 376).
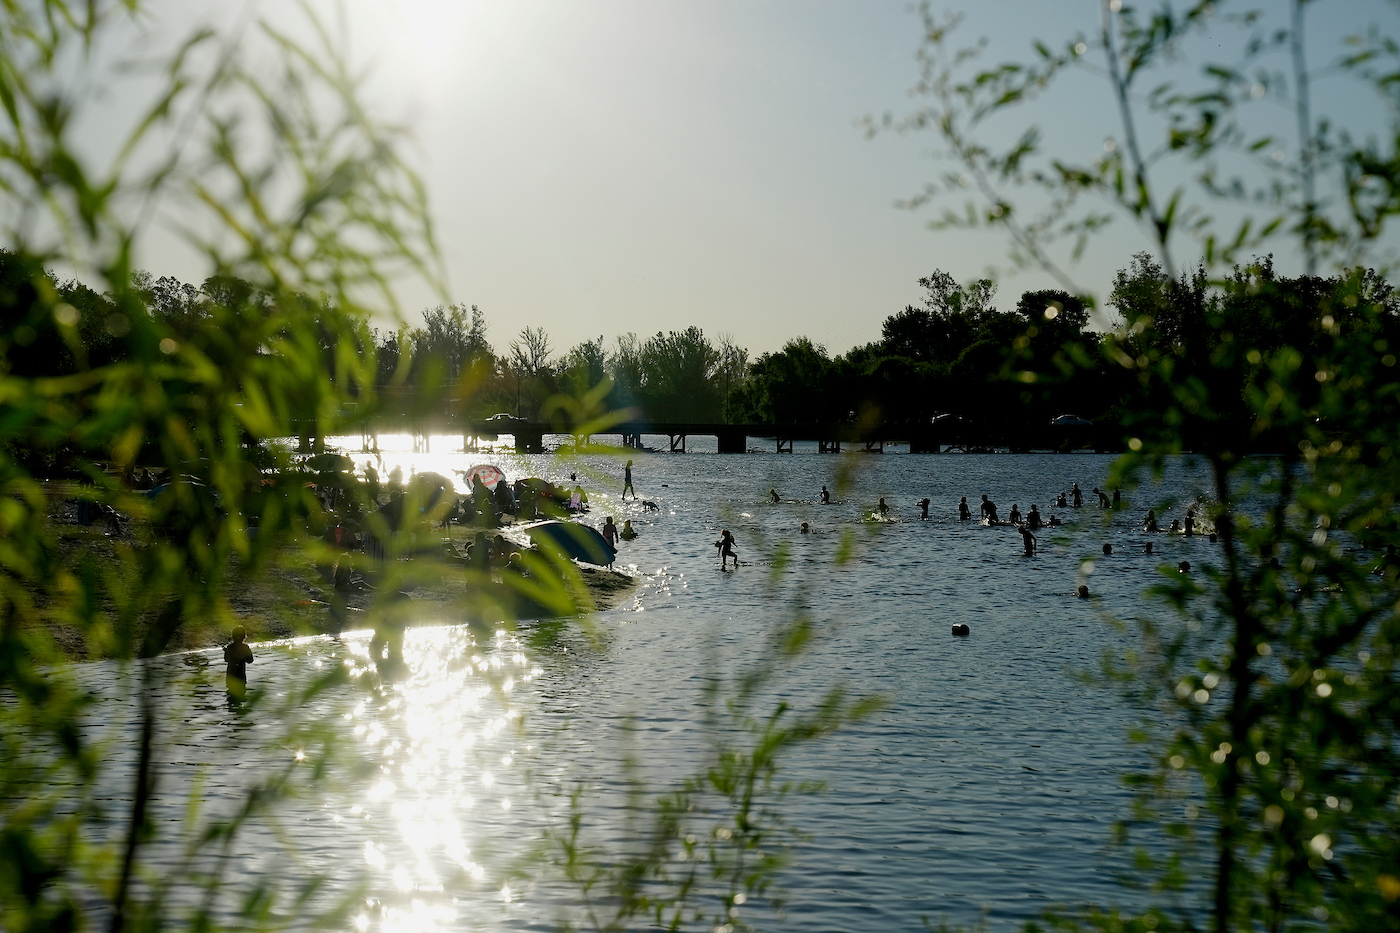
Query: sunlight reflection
(430, 738)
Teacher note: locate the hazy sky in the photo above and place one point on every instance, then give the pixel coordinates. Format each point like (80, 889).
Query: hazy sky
(641, 165)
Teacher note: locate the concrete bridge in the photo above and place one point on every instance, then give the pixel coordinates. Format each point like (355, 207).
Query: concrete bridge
(830, 437)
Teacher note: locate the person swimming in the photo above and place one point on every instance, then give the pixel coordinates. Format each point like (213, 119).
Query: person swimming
(773, 495)
(964, 513)
(1014, 516)
(1033, 518)
(1150, 523)
(628, 532)
(1061, 502)
(806, 529)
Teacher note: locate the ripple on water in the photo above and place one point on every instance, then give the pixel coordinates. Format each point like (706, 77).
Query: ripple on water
(988, 782)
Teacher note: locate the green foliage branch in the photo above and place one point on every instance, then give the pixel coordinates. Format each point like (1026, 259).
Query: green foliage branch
(1270, 685)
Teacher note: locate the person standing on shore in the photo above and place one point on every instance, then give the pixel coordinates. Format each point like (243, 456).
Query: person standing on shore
(627, 482)
(239, 656)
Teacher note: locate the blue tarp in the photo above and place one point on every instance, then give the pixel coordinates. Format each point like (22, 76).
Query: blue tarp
(575, 540)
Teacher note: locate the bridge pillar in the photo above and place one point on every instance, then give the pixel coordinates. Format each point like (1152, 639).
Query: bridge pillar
(784, 446)
(732, 442)
(677, 443)
(632, 440)
(921, 443)
(828, 447)
(875, 447)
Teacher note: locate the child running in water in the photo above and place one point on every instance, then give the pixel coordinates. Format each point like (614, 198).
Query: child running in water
(726, 549)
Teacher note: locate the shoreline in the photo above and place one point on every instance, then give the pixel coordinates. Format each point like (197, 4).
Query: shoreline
(290, 597)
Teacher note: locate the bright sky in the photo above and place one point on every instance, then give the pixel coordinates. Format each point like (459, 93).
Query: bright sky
(640, 165)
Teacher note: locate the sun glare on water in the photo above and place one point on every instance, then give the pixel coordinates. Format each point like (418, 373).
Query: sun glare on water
(440, 748)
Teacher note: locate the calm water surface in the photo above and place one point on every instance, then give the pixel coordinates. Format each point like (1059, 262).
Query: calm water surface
(986, 787)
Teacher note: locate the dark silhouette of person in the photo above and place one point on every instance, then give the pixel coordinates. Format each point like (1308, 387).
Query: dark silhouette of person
(1014, 516)
(726, 549)
(1150, 524)
(1053, 522)
(1033, 518)
(610, 532)
(964, 513)
(1117, 498)
(239, 656)
(1147, 548)
(989, 509)
(773, 495)
(1078, 496)
(826, 496)
(1028, 540)
(884, 509)
(1103, 499)
(806, 529)
(1107, 549)
(923, 509)
(1083, 591)
(372, 485)
(479, 553)
(1190, 527)
(1062, 502)
(1184, 567)
(627, 482)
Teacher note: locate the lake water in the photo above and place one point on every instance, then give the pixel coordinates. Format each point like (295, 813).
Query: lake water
(986, 788)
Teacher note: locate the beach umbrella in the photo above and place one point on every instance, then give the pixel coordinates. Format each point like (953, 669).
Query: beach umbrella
(575, 540)
(490, 475)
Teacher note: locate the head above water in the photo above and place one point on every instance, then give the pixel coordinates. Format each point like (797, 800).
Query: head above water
(239, 633)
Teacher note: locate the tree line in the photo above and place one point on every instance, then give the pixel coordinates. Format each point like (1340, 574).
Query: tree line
(954, 354)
